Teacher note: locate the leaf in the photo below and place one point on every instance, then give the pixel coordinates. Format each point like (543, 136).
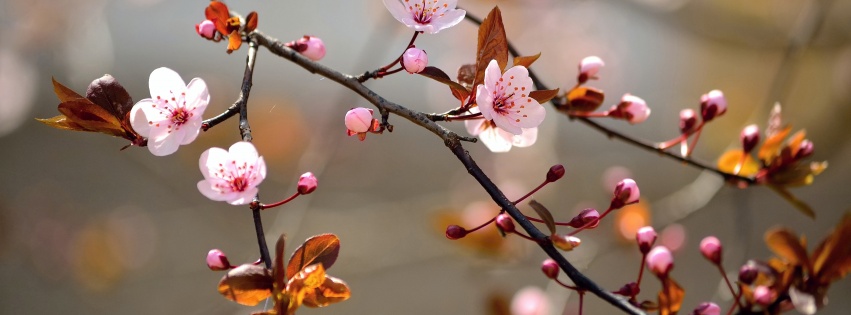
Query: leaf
(278, 269)
(801, 206)
(61, 122)
(234, 41)
(218, 13)
(545, 215)
(797, 175)
(459, 91)
(543, 96)
(91, 117)
(771, 147)
(832, 259)
(322, 248)
(584, 99)
(251, 22)
(247, 284)
(732, 162)
(64, 93)
(526, 61)
(466, 75)
(492, 45)
(107, 93)
(331, 291)
(787, 246)
(670, 297)
(775, 121)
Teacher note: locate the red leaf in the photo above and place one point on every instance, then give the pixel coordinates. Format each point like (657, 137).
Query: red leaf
(492, 45)
(322, 248)
(526, 61)
(458, 90)
(247, 284)
(278, 268)
(64, 93)
(218, 13)
(670, 297)
(251, 22)
(786, 245)
(543, 96)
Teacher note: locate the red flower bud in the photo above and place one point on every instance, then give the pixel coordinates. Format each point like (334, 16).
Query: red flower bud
(307, 183)
(217, 261)
(555, 173)
(550, 268)
(454, 232)
(505, 223)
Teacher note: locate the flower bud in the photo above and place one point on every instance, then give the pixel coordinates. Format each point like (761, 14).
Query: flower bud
(631, 108)
(645, 237)
(454, 232)
(707, 308)
(626, 192)
(660, 261)
(688, 119)
(748, 272)
(311, 47)
(749, 137)
(505, 223)
(712, 104)
(206, 29)
(763, 295)
(589, 217)
(359, 120)
(550, 268)
(414, 60)
(565, 242)
(710, 247)
(217, 261)
(307, 183)
(805, 149)
(588, 68)
(555, 173)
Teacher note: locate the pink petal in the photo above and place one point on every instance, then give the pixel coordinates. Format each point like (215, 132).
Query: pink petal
(190, 131)
(506, 122)
(494, 141)
(138, 119)
(484, 100)
(529, 116)
(164, 81)
(260, 169)
(242, 198)
(212, 161)
(197, 97)
(492, 75)
(206, 188)
(243, 152)
(161, 143)
(525, 139)
(398, 10)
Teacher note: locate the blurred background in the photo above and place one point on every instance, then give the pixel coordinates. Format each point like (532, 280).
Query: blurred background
(88, 229)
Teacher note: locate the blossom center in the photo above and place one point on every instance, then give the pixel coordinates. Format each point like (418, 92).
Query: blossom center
(173, 111)
(179, 116)
(425, 11)
(239, 184)
(502, 103)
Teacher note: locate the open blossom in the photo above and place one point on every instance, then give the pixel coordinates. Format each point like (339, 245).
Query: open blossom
(172, 116)
(496, 139)
(430, 16)
(232, 175)
(504, 98)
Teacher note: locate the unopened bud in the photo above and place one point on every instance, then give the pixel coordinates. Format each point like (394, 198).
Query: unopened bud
(359, 120)
(763, 295)
(307, 183)
(688, 119)
(646, 237)
(748, 273)
(626, 192)
(310, 46)
(414, 60)
(588, 218)
(217, 261)
(805, 149)
(707, 308)
(565, 242)
(750, 138)
(505, 223)
(550, 268)
(454, 232)
(555, 173)
(710, 247)
(631, 108)
(588, 68)
(712, 104)
(206, 29)
(660, 261)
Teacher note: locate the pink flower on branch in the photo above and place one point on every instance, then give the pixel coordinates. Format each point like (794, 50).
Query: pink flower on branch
(496, 139)
(429, 16)
(504, 98)
(232, 175)
(172, 116)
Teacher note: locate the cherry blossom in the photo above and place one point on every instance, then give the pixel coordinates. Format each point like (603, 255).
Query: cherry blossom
(172, 116)
(414, 60)
(497, 139)
(504, 99)
(232, 175)
(430, 16)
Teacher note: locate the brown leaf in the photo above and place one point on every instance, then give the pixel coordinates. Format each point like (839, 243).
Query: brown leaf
(731, 162)
(251, 22)
(832, 259)
(278, 268)
(64, 93)
(466, 75)
(800, 205)
(670, 297)
(247, 284)
(584, 99)
(771, 147)
(322, 248)
(331, 291)
(218, 13)
(61, 122)
(107, 93)
(786, 245)
(526, 61)
(492, 45)
(543, 96)
(545, 215)
(91, 117)
(234, 41)
(459, 91)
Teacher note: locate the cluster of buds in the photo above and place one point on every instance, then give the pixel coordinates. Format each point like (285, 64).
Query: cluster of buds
(582, 101)
(712, 105)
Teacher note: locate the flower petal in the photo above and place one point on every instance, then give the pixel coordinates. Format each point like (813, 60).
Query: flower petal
(207, 188)
(507, 123)
(138, 119)
(494, 141)
(484, 100)
(492, 75)
(242, 198)
(449, 19)
(243, 153)
(197, 97)
(190, 130)
(160, 143)
(164, 81)
(397, 9)
(530, 115)
(212, 161)
(527, 138)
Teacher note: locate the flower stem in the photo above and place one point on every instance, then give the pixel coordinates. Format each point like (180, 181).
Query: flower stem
(729, 285)
(279, 203)
(640, 274)
(532, 192)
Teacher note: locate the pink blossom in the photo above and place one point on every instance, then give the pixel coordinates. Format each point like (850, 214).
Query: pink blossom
(414, 60)
(217, 260)
(429, 16)
(504, 98)
(232, 175)
(707, 308)
(307, 183)
(712, 104)
(311, 47)
(589, 67)
(530, 301)
(206, 29)
(172, 116)
(645, 237)
(660, 261)
(631, 108)
(626, 192)
(710, 247)
(497, 139)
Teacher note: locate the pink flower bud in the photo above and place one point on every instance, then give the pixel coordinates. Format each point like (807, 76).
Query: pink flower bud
(311, 47)
(660, 261)
(530, 301)
(505, 223)
(626, 192)
(710, 247)
(712, 104)
(707, 308)
(358, 120)
(414, 60)
(749, 272)
(631, 108)
(749, 137)
(565, 242)
(550, 268)
(555, 173)
(589, 67)
(307, 183)
(645, 237)
(217, 261)
(589, 217)
(763, 295)
(688, 119)
(206, 29)
(805, 149)
(454, 232)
